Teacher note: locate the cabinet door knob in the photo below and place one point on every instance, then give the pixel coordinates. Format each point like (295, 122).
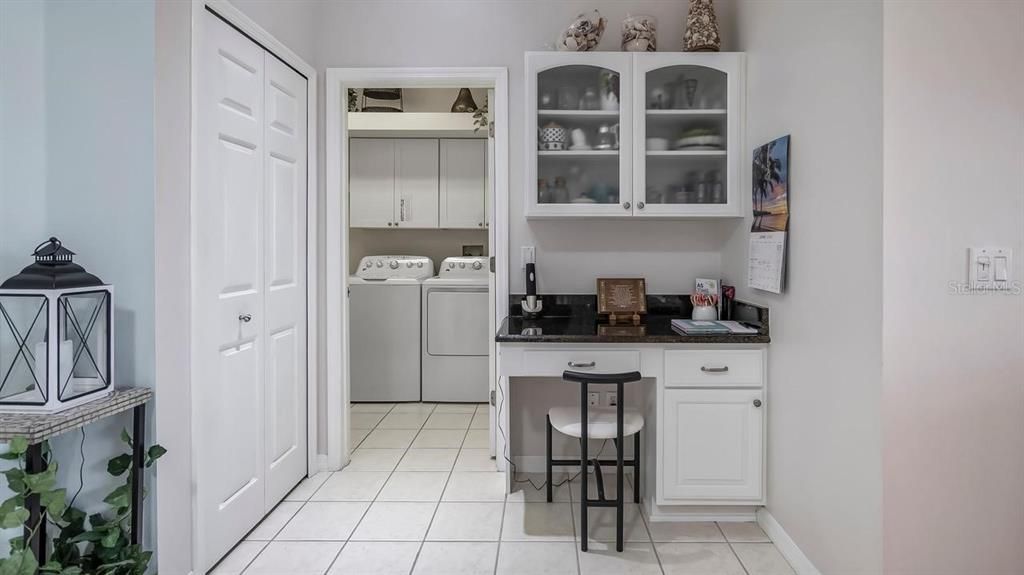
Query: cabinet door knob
(625, 205)
(640, 205)
(480, 224)
(245, 318)
(389, 224)
(757, 403)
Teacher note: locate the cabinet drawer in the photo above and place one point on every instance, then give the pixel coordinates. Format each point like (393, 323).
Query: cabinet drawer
(714, 368)
(553, 363)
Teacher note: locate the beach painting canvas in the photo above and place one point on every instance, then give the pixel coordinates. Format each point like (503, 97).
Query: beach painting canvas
(771, 187)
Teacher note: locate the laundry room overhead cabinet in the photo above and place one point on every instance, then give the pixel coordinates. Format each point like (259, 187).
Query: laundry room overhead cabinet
(422, 183)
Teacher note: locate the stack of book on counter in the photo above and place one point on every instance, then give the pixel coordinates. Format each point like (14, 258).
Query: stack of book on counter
(703, 327)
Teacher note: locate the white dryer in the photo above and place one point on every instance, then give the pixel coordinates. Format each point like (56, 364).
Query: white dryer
(384, 327)
(456, 339)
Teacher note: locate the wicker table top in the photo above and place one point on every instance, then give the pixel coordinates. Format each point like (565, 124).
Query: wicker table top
(37, 427)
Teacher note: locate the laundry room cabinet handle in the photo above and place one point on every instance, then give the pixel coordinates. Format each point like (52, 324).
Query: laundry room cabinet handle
(582, 363)
(245, 318)
(401, 210)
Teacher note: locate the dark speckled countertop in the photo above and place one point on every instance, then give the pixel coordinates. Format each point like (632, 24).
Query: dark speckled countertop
(573, 319)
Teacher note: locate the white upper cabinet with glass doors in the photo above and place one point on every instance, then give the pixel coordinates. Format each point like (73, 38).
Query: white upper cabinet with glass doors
(689, 133)
(679, 125)
(578, 125)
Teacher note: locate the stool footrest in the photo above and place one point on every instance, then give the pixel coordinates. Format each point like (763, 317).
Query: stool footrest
(602, 503)
(576, 462)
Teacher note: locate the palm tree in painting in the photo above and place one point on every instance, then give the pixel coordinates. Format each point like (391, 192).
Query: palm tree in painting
(767, 173)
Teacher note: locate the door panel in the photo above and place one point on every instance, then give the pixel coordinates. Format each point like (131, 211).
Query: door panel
(463, 183)
(416, 183)
(372, 183)
(713, 444)
(457, 322)
(228, 396)
(285, 277)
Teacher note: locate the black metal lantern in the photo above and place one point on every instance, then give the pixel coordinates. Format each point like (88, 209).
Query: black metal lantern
(56, 334)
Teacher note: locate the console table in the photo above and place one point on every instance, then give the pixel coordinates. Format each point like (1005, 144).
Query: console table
(39, 427)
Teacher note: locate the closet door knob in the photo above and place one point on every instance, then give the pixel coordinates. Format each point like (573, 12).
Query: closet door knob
(245, 318)
(757, 403)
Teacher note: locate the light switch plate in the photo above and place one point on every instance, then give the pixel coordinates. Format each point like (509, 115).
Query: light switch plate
(990, 269)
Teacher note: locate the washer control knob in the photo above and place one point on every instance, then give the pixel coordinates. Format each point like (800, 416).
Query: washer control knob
(394, 264)
(477, 265)
(380, 264)
(462, 265)
(419, 265)
(408, 264)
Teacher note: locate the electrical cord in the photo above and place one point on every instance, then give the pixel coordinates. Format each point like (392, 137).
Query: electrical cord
(512, 465)
(81, 469)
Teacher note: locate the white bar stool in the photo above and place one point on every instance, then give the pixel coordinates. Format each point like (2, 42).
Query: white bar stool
(615, 423)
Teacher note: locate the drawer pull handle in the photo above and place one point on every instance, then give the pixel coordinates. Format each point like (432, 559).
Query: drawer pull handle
(706, 369)
(582, 363)
(245, 318)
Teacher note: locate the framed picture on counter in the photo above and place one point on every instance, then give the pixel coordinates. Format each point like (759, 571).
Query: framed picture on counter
(622, 298)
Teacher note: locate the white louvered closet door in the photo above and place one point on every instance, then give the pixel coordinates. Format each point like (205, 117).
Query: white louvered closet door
(249, 285)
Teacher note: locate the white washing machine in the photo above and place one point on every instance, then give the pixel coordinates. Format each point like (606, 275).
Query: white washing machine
(384, 327)
(456, 338)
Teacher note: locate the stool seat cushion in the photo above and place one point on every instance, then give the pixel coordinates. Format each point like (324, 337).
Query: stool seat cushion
(602, 422)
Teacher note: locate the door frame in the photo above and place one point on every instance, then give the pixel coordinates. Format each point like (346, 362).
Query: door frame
(339, 80)
(178, 27)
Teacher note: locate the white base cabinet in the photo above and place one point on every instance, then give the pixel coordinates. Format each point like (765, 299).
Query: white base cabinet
(712, 444)
(711, 428)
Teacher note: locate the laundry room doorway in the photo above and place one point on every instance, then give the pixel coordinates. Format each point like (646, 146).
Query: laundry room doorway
(416, 265)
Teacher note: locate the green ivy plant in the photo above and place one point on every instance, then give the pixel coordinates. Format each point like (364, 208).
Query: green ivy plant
(85, 545)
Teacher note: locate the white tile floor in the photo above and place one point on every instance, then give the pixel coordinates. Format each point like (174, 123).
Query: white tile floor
(421, 496)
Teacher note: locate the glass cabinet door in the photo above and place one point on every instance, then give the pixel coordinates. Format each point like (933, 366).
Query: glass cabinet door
(578, 140)
(687, 139)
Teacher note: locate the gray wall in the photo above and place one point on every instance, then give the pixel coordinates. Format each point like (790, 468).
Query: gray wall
(77, 137)
(814, 71)
(953, 380)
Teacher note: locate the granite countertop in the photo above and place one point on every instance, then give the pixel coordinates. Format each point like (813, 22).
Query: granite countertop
(573, 320)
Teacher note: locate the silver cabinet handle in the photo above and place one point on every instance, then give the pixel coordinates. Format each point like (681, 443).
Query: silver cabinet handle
(582, 363)
(245, 318)
(706, 369)
(401, 211)
(625, 205)
(640, 205)
(757, 403)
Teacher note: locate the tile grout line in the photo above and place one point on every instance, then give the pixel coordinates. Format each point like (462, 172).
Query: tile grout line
(416, 558)
(734, 553)
(650, 536)
(371, 502)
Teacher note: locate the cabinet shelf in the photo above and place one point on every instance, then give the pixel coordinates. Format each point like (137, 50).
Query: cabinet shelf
(691, 113)
(578, 113)
(577, 153)
(677, 153)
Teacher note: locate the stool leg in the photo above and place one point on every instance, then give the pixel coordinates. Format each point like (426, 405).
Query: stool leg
(620, 479)
(636, 468)
(548, 452)
(584, 484)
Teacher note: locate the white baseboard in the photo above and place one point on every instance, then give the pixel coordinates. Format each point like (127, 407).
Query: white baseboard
(785, 544)
(691, 513)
